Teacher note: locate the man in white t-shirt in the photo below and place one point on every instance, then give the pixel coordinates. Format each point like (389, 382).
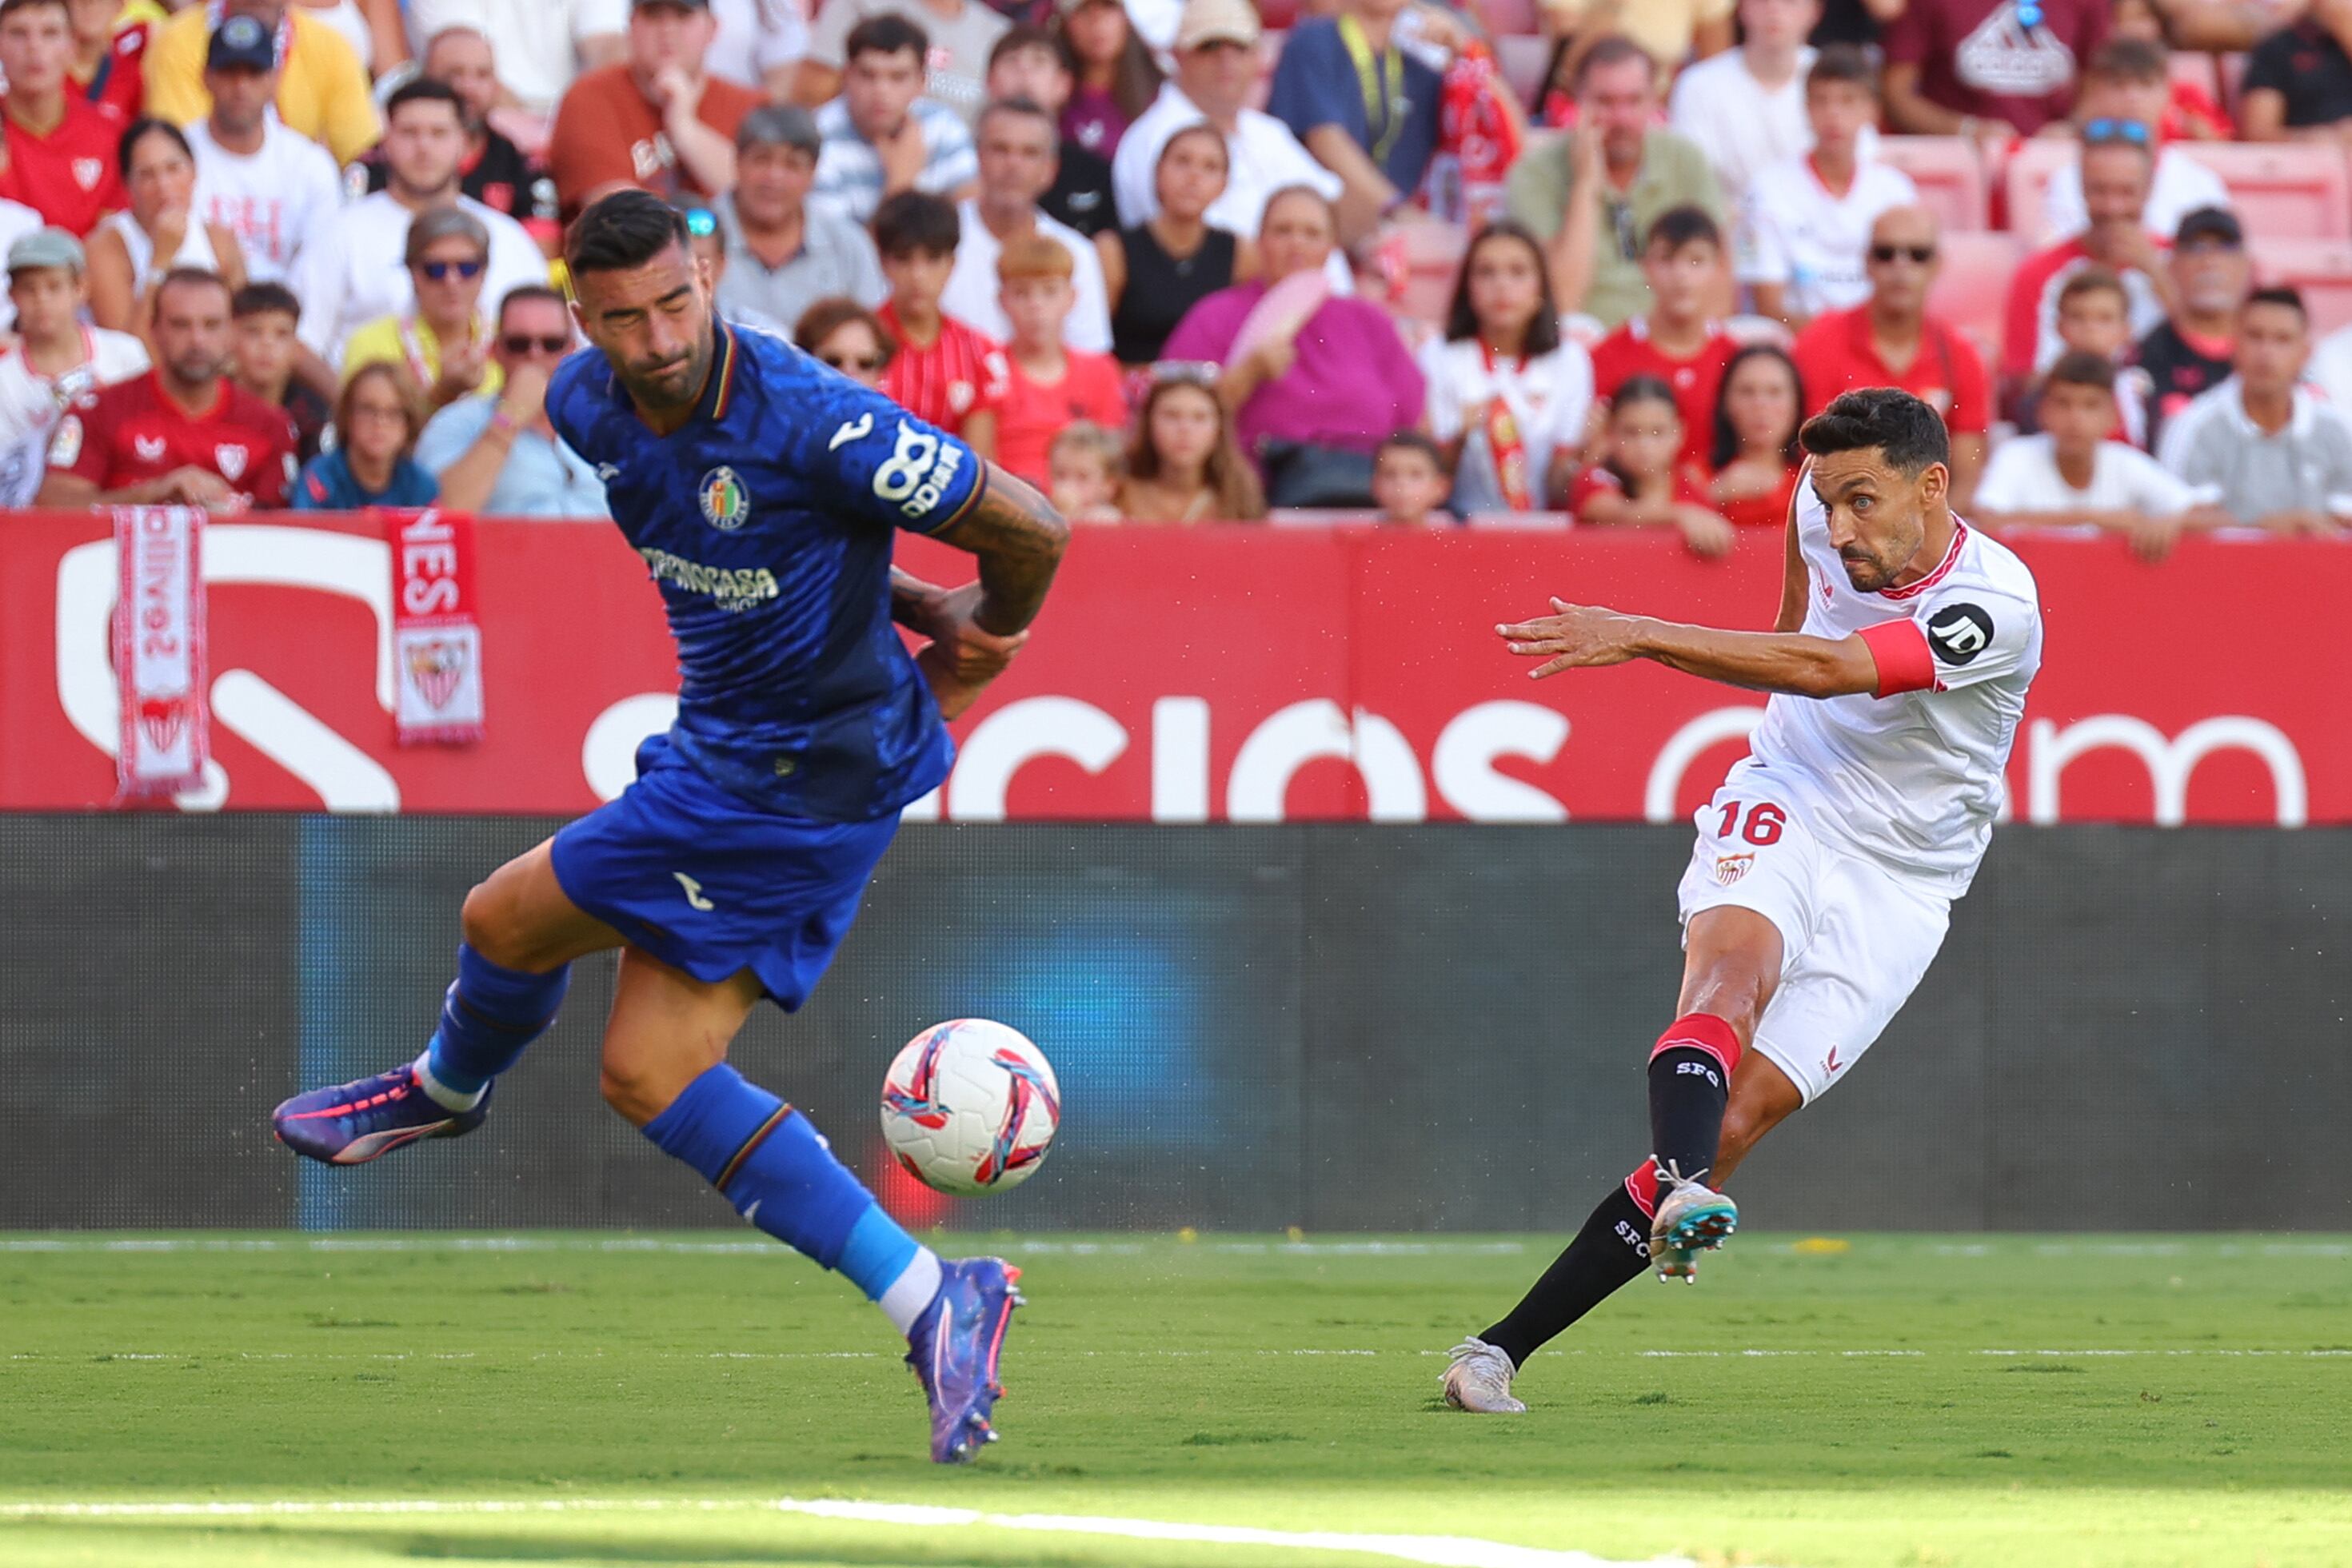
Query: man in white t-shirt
(2073, 474)
(55, 359)
(1805, 226)
(1826, 866)
(2130, 82)
(354, 269)
(269, 186)
(1746, 107)
(541, 45)
(1017, 155)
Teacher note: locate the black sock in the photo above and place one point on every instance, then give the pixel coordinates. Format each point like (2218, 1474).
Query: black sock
(1688, 1091)
(1613, 1248)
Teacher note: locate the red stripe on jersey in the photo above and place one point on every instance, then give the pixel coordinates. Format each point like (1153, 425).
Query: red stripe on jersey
(1900, 651)
(1943, 568)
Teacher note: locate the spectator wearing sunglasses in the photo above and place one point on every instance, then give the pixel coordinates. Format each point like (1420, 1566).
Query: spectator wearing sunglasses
(844, 335)
(2129, 84)
(784, 253)
(2117, 165)
(1890, 340)
(499, 455)
(1988, 69)
(444, 342)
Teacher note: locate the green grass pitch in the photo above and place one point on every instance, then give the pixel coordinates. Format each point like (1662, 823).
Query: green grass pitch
(2011, 1401)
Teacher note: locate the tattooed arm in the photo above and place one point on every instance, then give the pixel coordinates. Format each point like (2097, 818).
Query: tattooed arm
(975, 630)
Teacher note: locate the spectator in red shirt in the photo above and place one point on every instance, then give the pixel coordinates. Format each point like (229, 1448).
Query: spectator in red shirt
(1987, 69)
(943, 371)
(2119, 164)
(1682, 259)
(1050, 386)
(108, 59)
(183, 433)
(1642, 477)
(60, 147)
(1754, 455)
(656, 119)
(1890, 340)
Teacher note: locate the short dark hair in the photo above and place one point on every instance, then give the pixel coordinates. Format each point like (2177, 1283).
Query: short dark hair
(625, 229)
(137, 130)
(1843, 62)
(530, 293)
(888, 33)
(2130, 59)
(2281, 294)
(1678, 226)
(2081, 368)
(8, 5)
(1020, 109)
(1643, 388)
(1462, 322)
(190, 277)
(1612, 49)
(914, 222)
(2093, 280)
(263, 298)
(1026, 35)
(1908, 433)
(424, 89)
(830, 315)
(1413, 441)
(1726, 439)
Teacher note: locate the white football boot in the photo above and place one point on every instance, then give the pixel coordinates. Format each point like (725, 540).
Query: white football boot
(1479, 1379)
(1692, 1217)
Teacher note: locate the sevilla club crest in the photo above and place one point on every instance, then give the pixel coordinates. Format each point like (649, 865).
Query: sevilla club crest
(437, 664)
(231, 459)
(1729, 869)
(162, 719)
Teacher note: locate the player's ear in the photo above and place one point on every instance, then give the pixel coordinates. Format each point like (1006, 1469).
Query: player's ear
(1935, 483)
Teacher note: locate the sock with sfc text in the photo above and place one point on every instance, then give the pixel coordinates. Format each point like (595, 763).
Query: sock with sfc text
(1613, 1248)
(489, 1013)
(1690, 1085)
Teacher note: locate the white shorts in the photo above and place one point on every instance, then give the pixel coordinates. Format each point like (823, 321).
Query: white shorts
(1856, 937)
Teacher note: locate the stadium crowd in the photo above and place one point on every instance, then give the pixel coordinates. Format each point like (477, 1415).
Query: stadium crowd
(1189, 259)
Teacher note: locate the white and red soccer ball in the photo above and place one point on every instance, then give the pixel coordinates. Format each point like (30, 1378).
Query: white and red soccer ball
(971, 1107)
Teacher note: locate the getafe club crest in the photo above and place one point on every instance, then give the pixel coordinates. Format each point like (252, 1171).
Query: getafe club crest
(725, 502)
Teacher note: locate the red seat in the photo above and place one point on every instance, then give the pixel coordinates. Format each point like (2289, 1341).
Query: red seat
(1277, 16)
(1524, 62)
(2026, 179)
(1971, 288)
(2194, 69)
(1508, 18)
(1949, 174)
(2282, 190)
(2320, 269)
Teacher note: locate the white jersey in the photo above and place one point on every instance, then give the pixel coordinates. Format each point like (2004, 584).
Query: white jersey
(31, 403)
(273, 201)
(1912, 779)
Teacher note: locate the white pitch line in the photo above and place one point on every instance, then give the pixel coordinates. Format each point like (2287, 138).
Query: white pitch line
(39, 1244)
(1436, 1551)
(1050, 1353)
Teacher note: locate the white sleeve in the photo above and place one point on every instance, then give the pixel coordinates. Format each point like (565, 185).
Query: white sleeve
(318, 281)
(320, 198)
(1571, 396)
(1088, 327)
(2153, 490)
(595, 18)
(1976, 633)
(2004, 484)
(1443, 398)
(2063, 212)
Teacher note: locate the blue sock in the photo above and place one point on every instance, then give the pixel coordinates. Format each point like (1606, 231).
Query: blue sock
(489, 1014)
(774, 1166)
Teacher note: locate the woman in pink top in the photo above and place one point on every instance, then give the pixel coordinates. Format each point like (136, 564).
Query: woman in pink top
(1317, 381)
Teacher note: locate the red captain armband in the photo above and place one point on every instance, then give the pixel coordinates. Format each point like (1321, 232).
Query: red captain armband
(1900, 650)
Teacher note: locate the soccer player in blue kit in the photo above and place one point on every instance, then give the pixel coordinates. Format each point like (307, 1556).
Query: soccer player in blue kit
(760, 489)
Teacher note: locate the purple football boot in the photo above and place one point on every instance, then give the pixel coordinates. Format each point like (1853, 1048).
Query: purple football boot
(953, 1349)
(351, 1123)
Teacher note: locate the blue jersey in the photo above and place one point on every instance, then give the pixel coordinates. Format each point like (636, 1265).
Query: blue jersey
(765, 520)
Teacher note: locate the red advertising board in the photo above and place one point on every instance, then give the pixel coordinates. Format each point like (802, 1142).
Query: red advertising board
(1195, 674)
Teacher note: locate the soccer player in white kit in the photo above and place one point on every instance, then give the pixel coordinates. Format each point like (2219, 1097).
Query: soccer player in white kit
(1825, 868)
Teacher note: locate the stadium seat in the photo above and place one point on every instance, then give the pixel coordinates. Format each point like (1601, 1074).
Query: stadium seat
(2195, 68)
(1277, 16)
(1972, 285)
(2321, 269)
(1524, 61)
(1949, 174)
(2231, 71)
(1433, 254)
(2025, 178)
(2282, 190)
(1508, 18)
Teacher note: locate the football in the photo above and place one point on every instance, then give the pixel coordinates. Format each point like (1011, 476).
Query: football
(969, 1107)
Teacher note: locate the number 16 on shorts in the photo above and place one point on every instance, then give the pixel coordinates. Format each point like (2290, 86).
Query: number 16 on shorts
(1742, 827)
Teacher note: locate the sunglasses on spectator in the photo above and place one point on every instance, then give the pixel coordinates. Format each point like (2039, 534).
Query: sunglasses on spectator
(701, 221)
(1198, 372)
(1921, 254)
(524, 343)
(846, 362)
(2108, 132)
(440, 271)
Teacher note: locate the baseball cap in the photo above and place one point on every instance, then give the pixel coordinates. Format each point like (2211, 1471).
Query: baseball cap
(241, 43)
(1217, 21)
(2210, 223)
(446, 223)
(779, 125)
(46, 248)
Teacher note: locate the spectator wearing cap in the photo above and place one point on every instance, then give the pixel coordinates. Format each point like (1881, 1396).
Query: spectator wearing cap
(2191, 351)
(109, 55)
(358, 269)
(1746, 107)
(1987, 69)
(539, 47)
(1216, 65)
(959, 33)
(656, 119)
(322, 88)
(2280, 455)
(1890, 340)
(2117, 164)
(131, 251)
(2298, 81)
(1593, 192)
(268, 186)
(54, 359)
(443, 343)
(2129, 83)
(1806, 221)
(783, 253)
(499, 455)
(1365, 107)
(60, 147)
(1027, 63)
(882, 136)
(494, 170)
(1017, 141)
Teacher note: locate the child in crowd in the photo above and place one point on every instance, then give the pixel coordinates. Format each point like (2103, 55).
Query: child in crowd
(263, 350)
(1049, 385)
(1083, 464)
(1410, 481)
(1755, 456)
(943, 371)
(1183, 464)
(2072, 474)
(2095, 318)
(2191, 114)
(1642, 478)
(1682, 257)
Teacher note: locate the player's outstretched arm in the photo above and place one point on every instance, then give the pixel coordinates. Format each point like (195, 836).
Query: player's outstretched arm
(1576, 637)
(1019, 538)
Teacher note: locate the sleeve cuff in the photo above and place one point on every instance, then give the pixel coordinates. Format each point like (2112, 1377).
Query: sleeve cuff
(1900, 651)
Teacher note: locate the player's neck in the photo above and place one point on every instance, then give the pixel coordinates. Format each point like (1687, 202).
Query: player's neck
(1935, 544)
(38, 112)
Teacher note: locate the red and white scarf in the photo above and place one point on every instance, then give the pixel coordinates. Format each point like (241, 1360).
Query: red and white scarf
(158, 651)
(437, 640)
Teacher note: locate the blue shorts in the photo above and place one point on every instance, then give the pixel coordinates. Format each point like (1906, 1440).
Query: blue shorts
(710, 885)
